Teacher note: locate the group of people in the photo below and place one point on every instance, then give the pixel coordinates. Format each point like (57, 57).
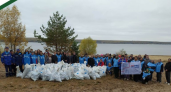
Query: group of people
(113, 62)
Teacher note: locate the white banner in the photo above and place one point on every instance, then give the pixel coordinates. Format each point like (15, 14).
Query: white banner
(130, 68)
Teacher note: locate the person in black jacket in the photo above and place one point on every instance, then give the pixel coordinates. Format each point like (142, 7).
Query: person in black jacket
(91, 61)
(168, 69)
(64, 57)
(54, 58)
(69, 58)
(75, 60)
(13, 66)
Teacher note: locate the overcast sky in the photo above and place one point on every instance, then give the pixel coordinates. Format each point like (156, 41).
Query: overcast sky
(147, 20)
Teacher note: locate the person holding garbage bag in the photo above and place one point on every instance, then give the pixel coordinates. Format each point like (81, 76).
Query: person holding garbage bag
(18, 59)
(26, 58)
(6, 61)
(146, 76)
(41, 58)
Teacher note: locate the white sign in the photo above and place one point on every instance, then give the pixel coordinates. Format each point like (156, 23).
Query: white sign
(130, 68)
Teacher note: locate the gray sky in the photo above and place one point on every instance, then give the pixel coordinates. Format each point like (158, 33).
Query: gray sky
(147, 20)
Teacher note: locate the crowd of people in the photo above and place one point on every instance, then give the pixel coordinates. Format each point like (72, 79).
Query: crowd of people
(113, 62)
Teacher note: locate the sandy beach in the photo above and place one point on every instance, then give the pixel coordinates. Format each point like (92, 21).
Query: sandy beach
(105, 84)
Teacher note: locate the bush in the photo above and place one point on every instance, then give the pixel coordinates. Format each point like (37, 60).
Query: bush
(121, 52)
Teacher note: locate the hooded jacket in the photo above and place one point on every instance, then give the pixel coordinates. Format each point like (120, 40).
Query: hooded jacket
(18, 59)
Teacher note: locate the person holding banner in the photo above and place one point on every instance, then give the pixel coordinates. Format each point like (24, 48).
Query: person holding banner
(136, 77)
(119, 64)
(167, 70)
(159, 70)
(116, 67)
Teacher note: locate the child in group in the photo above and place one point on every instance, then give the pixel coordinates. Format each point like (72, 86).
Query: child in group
(109, 69)
(159, 70)
(146, 76)
(101, 63)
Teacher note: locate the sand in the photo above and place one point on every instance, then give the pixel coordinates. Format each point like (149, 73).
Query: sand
(105, 84)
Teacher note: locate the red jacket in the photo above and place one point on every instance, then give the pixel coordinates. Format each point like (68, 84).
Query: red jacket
(102, 64)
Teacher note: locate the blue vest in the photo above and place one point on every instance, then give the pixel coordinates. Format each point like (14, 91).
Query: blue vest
(103, 59)
(81, 60)
(18, 59)
(115, 62)
(108, 61)
(109, 68)
(42, 59)
(96, 61)
(158, 67)
(26, 59)
(6, 58)
(33, 59)
(86, 59)
(142, 63)
(59, 57)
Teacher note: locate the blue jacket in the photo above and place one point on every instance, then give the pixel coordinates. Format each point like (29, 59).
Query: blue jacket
(115, 62)
(59, 57)
(159, 67)
(96, 61)
(13, 59)
(26, 58)
(41, 59)
(145, 74)
(6, 58)
(18, 59)
(33, 59)
(109, 68)
(142, 63)
(108, 61)
(120, 61)
(81, 60)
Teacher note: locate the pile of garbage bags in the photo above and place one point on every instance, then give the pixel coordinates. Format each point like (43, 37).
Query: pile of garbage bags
(61, 71)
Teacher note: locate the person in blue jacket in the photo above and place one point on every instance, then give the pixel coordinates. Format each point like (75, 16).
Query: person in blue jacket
(6, 61)
(59, 56)
(86, 58)
(81, 59)
(41, 58)
(97, 60)
(116, 67)
(109, 60)
(33, 58)
(109, 69)
(26, 58)
(18, 59)
(104, 58)
(159, 70)
(13, 66)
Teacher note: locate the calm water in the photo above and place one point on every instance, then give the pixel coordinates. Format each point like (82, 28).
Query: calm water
(150, 49)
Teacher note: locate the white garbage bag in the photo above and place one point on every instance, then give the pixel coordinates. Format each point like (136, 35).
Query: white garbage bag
(35, 75)
(79, 75)
(97, 75)
(92, 75)
(18, 73)
(26, 70)
(63, 75)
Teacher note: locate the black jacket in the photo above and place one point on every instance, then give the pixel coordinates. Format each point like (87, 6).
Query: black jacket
(74, 58)
(91, 62)
(64, 57)
(168, 66)
(54, 59)
(69, 59)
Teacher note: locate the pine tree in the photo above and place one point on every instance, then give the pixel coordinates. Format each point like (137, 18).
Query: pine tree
(56, 36)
